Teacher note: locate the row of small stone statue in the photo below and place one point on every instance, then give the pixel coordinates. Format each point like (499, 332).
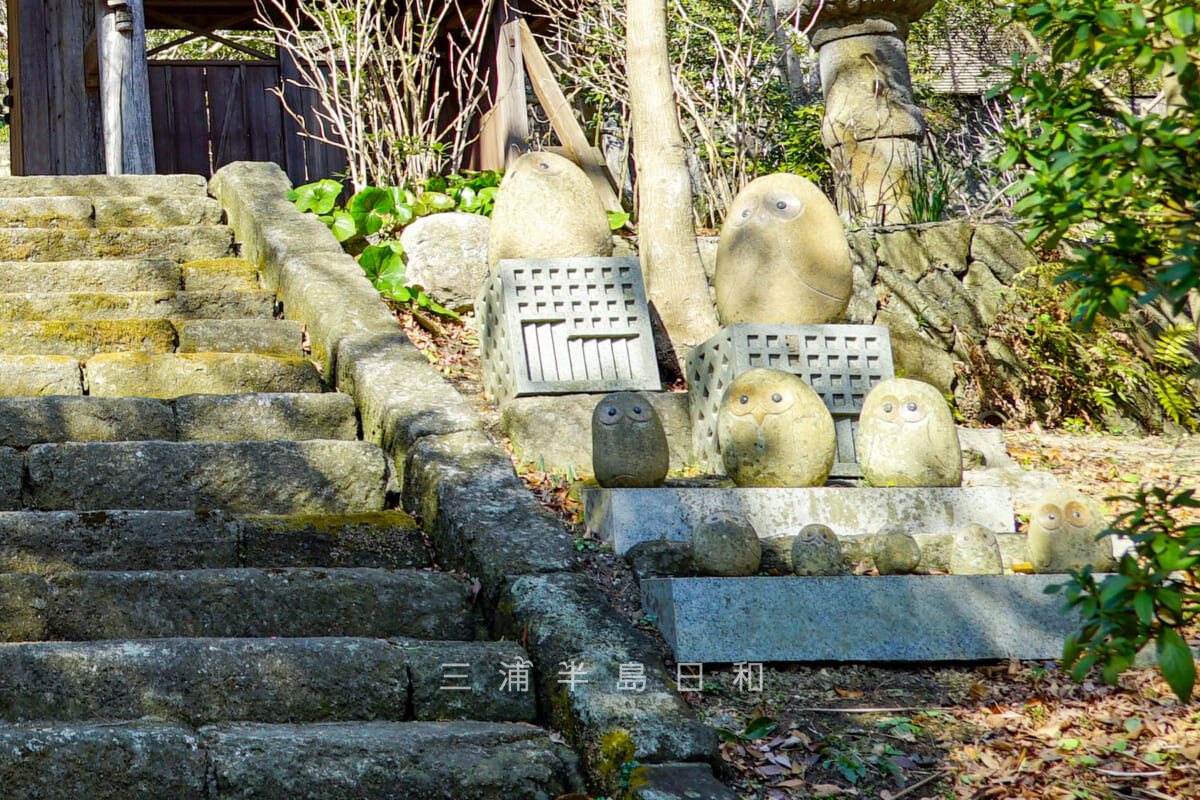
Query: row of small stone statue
(1064, 534)
(774, 430)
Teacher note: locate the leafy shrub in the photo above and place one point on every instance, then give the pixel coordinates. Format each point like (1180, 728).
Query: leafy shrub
(370, 222)
(1150, 596)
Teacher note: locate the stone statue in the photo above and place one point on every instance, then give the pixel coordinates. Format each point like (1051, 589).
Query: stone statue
(975, 551)
(774, 430)
(894, 551)
(816, 550)
(906, 436)
(547, 208)
(782, 256)
(1063, 531)
(725, 545)
(629, 446)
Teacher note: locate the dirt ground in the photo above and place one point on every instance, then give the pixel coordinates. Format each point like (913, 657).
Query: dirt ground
(969, 731)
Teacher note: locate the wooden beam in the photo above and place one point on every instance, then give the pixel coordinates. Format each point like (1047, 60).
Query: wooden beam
(124, 87)
(562, 119)
(505, 130)
(207, 33)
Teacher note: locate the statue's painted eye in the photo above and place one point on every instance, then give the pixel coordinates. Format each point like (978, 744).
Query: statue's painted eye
(612, 412)
(777, 398)
(912, 406)
(746, 212)
(781, 205)
(637, 409)
(745, 399)
(888, 408)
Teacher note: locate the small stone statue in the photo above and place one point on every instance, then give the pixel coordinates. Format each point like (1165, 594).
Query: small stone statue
(782, 256)
(547, 208)
(975, 551)
(816, 550)
(774, 430)
(629, 446)
(894, 551)
(1063, 533)
(906, 436)
(725, 545)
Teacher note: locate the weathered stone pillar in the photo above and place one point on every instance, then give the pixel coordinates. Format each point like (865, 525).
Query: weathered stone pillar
(872, 127)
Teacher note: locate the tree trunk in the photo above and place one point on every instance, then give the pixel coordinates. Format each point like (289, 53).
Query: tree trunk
(675, 281)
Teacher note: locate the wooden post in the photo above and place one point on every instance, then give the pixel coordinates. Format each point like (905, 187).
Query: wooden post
(505, 130)
(124, 87)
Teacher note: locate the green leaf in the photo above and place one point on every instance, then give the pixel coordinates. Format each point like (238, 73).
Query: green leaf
(437, 201)
(759, 727)
(1143, 603)
(319, 197)
(1176, 663)
(344, 227)
(617, 220)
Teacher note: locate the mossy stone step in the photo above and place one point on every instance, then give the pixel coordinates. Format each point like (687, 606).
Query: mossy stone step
(103, 275)
(27, 421)
(220, 275)
(53, 542)
(45, 212)
(269, 337)
(156, 210)
(87, 337)
(207, 680)
(242, 602)
(103, 186)
(89, 306)
(174, 375)
(177, 243)
(363, 760)
(39, 375)
(278, 477)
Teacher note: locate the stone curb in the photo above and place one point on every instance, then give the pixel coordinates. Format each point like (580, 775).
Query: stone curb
(476, 510)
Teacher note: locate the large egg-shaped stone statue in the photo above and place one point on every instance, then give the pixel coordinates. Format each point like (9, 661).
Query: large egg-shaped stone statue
(782, 256)
(1063, 531)
(774, 430)
(725, 545)
(629, 446)
(975, 551)
(816, 550)
(906, 436)
(547, 208)
(895, 551)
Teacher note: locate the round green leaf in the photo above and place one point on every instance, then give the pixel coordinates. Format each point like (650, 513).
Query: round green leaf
(1176, 662)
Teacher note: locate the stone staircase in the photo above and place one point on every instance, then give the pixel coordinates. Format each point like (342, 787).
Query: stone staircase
(204, 593)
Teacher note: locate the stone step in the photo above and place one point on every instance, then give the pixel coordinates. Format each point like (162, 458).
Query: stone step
(346, 760)
(156, 211)
(87, 306)
(268, 337)
(175, 375)
(103, 186)
(109, 275)
(203, 681)
(220, 275)
(213, 418)
(45, 212)
(83, 339)
(52, 542)
(39, 376)
(177, 243)
(276, 477)
(244, 602)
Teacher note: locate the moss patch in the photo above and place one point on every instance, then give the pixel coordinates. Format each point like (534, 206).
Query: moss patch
(219, 275)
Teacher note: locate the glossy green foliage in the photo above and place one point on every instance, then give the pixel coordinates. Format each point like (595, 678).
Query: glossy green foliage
(1129, 181)
(1152, 594)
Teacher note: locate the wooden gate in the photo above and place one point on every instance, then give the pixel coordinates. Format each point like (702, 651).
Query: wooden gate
(209, 113)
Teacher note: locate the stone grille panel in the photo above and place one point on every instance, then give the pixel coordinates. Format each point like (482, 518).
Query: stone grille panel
(559, 326)
(842, 363)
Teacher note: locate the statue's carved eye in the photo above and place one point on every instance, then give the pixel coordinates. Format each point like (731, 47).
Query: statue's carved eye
(745, 399)
(911, 406)
(612, 412)
(777, 398)
(781, 205)
(746, 212)
(888, 408)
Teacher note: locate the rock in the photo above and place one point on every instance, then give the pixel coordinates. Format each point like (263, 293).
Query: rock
(895, 552)
(37, 376)
(676, 782)
(985, 293)
(862, 253)
(906, 436)
(1063, 533)
(783, 255)
(661, 559)
(1026, 485)
(864, 304)
(387, 539)
(725, 546)
(219, 275)
(1002, 249)
(901, 250)
(629, 446)
(547, 208)
(12, 469)
(948, 245)
(947, 291)
(774, 430)
(974, 551)
(816, 551)
(446, 255)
